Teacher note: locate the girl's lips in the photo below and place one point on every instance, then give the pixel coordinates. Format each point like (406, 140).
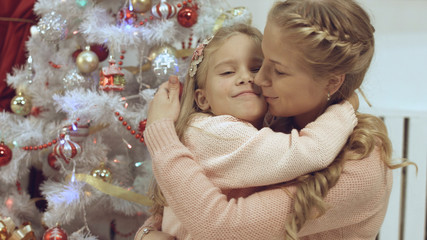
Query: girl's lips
(244, 93)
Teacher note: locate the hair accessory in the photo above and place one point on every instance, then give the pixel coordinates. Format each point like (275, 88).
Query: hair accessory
(198, 56)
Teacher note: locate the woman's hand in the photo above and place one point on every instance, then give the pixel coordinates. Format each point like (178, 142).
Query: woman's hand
(165, 104)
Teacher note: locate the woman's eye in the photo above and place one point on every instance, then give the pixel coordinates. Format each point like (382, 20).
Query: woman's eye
(255, 69)
(279, 72)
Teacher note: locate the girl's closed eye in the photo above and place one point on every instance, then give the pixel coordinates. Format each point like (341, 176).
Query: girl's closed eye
(224, 73)
(255, 69)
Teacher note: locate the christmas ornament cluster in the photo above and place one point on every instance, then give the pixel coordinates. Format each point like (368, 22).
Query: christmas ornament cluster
(80, 108)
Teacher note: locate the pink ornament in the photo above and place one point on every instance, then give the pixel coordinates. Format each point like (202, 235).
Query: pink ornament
(163, 10)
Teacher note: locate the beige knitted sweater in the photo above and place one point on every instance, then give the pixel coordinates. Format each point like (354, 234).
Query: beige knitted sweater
(204, 212)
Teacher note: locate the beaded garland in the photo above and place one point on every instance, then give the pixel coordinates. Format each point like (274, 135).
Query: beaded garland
(129, 128)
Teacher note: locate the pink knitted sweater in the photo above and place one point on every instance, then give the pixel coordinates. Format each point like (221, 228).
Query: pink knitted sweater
(207, 214)
(236, 155)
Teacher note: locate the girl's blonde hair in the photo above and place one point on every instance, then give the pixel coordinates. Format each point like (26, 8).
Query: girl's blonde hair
(334, 37)
(188, 103)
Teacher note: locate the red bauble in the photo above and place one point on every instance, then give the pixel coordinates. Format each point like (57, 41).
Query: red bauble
(55, 233)
(187, 16)
(5, 154)
(51, 160)
(127, 15)
(100, 50)
(76, 53)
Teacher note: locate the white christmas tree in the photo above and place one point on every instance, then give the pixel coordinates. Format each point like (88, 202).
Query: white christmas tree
(80, 111)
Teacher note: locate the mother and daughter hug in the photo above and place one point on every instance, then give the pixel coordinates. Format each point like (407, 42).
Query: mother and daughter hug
(266, 142)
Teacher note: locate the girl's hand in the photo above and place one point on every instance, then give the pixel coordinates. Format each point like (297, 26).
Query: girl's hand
(165, 104)
(157, 235)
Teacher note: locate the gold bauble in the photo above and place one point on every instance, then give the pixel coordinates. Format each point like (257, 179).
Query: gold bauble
(6, 227)
(3, 233)
(25, 232)
(21, 104)
(141, 6)
(102, 173)
(229, 14)
(87, 61)
(164, 48)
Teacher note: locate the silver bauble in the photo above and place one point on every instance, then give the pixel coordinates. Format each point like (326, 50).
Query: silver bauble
(53, 27)
(163, 66)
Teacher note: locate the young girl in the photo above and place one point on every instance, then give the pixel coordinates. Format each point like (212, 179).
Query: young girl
(316, 54)
(221, 111)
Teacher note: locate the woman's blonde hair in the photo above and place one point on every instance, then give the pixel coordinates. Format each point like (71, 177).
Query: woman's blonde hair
(334, 37)
(188, 104)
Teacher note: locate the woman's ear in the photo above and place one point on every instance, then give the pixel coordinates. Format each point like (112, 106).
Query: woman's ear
(201, 100)
(335, 83)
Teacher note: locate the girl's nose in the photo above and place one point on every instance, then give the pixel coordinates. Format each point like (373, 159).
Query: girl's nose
(246, 78)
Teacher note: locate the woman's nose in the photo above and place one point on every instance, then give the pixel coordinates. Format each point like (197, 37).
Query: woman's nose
(261, 78)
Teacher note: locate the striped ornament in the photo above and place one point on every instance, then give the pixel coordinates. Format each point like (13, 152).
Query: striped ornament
(67, 149)
(163, 10)
(78, 133)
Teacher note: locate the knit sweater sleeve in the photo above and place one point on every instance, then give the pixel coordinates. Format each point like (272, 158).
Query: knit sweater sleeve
(206, 213)
(154, 222)
(234, 154)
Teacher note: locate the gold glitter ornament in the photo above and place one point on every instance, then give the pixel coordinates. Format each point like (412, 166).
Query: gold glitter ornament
(102, 173)
(230, 14)
(141, 6)
(21, 104)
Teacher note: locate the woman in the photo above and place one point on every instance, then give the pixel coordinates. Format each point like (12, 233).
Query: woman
(316, 54)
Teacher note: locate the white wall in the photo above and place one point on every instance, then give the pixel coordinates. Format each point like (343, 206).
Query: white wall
(397, 79)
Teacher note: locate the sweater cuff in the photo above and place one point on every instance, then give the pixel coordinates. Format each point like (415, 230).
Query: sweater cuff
(349, 111)
(352, 112)
(160, 134)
